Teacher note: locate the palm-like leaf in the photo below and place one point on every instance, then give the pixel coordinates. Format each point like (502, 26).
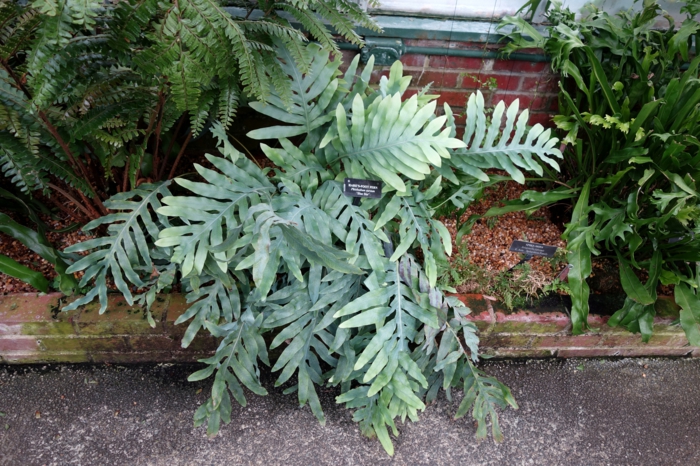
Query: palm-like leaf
(511, 148)
(125, 251)
(312, 93)
(390, 137)
(219, 207)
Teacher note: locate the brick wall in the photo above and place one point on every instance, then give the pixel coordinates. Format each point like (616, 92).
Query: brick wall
(455, 78)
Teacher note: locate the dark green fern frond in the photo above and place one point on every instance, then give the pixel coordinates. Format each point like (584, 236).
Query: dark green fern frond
(84, 12)
(279, 79)
(52, 35)
(198, 116)
(342, 24)
(48, 162)
(16, 28)
(19, 164)
(313, 24)
(229, 95)
(273, 29)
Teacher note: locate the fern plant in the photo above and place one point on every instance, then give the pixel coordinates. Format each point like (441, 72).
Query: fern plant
(99, 97)
(291, 273)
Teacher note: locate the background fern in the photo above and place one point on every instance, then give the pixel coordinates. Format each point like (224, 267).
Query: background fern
(99, 85)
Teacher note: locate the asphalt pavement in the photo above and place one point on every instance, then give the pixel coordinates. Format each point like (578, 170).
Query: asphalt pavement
(574, 412)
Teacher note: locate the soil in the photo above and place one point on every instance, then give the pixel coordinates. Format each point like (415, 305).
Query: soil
(25, 256)
(490, 238)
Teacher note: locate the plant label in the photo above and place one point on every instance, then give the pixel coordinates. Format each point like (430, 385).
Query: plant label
(533, 249)
(354, 187)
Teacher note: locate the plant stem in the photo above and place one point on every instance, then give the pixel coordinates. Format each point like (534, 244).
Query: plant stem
(73, 200)
(179, 155)
(172, 140)
(246, 150)
(155, 165)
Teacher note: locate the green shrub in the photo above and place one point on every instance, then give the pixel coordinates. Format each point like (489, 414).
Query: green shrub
(629, 112)
(291, 273)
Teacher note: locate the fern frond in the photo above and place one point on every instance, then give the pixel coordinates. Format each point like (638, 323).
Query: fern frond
(219, 208)
(313, 24)
(84, 12)
(198, 116)
(16, 29)
(335, 14)
(49, 163)
(407, 141)
(311, 95)
(236, 364)
(19, 164)
(124, 252)
(297, 167)
(229, 95)
(52, 35)
(511, 149)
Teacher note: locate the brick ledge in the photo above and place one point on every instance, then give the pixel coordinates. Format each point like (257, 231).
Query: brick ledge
(33, 329)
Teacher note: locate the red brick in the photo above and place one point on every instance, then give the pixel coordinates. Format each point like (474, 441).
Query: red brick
(520, 66)
(525, 100)
(411, 59)
(483, 81)
(84, 343)
(622, 352)
(632, 339)
(18, 343)
(544, 119)
(542, 84)
(458, 63)
(377, 75)
(187, 356)
(348, 56)
(518, 352)
(141, 343)
(203, 343)
(131, 357)
(539, 102)
(554, 104)
(35, 357)
(34, 314)
(439, 79)
(455, 98)
(120, 318)
(567, 341)
(459, 116)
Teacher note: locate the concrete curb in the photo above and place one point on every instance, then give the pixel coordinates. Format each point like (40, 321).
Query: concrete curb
(33, 329)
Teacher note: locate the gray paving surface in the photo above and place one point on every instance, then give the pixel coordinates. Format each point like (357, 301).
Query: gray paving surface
(604, 412)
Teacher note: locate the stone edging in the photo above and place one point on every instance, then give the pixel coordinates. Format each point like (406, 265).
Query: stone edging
(34, 330)
(548, 334)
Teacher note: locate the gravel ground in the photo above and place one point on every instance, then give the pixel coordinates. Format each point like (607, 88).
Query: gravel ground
(572, 412)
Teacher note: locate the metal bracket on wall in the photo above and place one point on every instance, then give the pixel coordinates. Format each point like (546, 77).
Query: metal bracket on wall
(385, 50)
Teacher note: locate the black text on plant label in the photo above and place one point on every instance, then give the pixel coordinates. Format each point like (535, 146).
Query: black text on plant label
(354, 187)
(533, 249)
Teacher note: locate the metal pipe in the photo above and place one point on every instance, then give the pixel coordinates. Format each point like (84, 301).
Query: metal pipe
(483, 54)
